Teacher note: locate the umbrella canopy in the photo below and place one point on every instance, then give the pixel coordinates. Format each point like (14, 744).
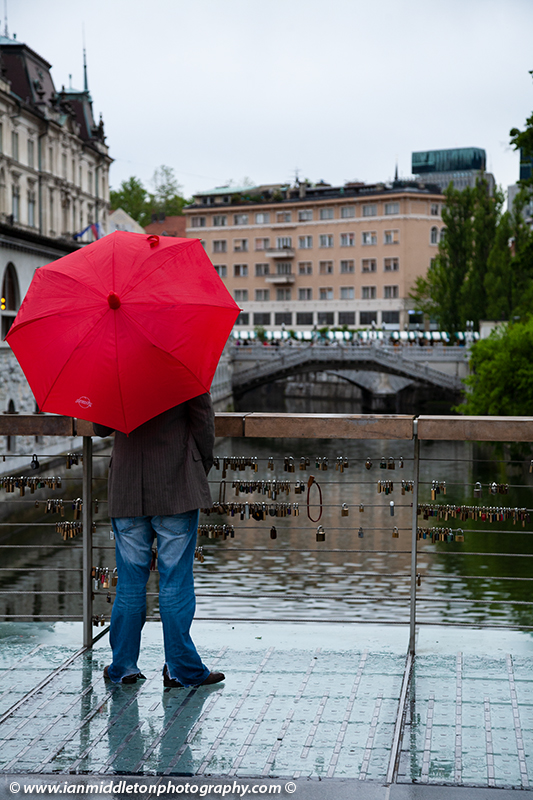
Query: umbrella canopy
(123, 329)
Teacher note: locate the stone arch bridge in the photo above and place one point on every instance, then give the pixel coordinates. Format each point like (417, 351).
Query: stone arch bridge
(441, 367)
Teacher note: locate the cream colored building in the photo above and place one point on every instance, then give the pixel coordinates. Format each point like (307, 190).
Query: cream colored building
(320, 255)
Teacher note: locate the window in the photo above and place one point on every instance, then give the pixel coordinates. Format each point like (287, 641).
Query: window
(305, 294)
(284, 242)
(368, 292)
(369, 265)
(222, 270)
(390, 317)
(1, 138)
(262, 295)
(326, 213)
(262, 244)
(31, 153)
(283, 295)
(10, 298)
(305, 242)
(64, 165)
(14, 146)
(391, 237)
(347, 239)
(346, 317)
(305, 215)
(198, 222)
(368, 317)
(390, 292)
(240, 219)
(391, 265)
(15, 202)
(79, 176)
(347, 293)
(434, 236)
(220, 246)
(31, 209)
(283, 318)
(240, 270)
(305, 268)
(325, 318)
(261, 270)
(370, 210)
(51, 159)
(240, 295)
(325, 267)
(73, 164)
(347, 212)
(369, 237)
(283, 216)
(284, 268)
(90, 182)
(347, 267)
(434, 209)
(326, 240)
(220, 220)
(442, 234)
(51, 209)
(262, 218)
(392, 208)
(325, 293)
(261, 319)
(304, 317)
(240, 245)
(243, 319)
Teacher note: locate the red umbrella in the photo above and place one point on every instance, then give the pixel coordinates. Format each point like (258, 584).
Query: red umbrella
(123, 329)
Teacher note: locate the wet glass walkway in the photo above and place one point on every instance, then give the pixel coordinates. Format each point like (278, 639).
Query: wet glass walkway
(299, 701)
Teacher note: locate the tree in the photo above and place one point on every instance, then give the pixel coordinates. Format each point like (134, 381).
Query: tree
(502, 379)
(132, 197)
(454, 290)
(166, 198)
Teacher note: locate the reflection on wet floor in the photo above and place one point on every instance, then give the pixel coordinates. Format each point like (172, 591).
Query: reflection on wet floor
(299, 700)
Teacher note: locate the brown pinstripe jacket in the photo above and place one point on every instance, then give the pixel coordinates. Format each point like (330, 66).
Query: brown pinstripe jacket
(161, 467)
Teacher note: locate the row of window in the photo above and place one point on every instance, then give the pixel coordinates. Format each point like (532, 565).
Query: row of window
(72, 220)
(320, 318)
(301, 215)
(324, 293)
(324, 240)
(346, 267)
(75, 176)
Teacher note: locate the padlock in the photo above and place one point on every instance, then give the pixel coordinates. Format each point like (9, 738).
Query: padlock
(320, 534)
(344, 510)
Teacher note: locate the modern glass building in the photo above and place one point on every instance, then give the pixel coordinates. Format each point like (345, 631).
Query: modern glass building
(459, 159)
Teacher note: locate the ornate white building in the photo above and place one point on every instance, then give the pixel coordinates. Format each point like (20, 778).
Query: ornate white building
(54, 183)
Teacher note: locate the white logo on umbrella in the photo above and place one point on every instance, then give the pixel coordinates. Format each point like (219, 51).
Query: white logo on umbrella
(84, 402)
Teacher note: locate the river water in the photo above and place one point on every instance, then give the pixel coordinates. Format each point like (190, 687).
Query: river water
(360, 572)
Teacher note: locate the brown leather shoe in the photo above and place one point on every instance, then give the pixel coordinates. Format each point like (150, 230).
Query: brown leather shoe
(172, 683)
(213, 677)
(127, 679)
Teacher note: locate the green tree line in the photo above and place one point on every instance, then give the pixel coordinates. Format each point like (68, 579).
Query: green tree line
(484, 270)
(141, 204)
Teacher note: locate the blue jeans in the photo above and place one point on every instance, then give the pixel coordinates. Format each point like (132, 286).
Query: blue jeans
(176, 541)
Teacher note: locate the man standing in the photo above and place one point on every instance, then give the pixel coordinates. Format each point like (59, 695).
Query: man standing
(157, 484)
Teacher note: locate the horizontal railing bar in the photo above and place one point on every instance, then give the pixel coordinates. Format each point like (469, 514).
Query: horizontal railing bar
(41, 591)
(41, 569)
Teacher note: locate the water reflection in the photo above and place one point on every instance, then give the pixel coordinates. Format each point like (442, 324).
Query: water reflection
(360, 572)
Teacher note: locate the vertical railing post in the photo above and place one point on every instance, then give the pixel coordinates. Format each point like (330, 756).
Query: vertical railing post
(414, 539)
(87, 519)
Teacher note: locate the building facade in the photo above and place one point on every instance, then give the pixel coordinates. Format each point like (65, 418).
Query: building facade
(314, 256)
(54, 168)
(461, 166)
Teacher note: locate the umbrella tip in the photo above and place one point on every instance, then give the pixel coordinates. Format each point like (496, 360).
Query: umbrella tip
(114, 300)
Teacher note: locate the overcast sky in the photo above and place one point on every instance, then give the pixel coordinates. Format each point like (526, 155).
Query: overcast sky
(336, 89)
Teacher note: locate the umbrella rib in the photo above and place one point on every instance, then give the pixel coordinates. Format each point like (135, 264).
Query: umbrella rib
(118, 371)
(156, 343)
(158, 266)
(70, 355)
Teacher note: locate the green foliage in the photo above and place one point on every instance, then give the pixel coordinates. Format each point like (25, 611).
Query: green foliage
(260, 333)
(140, 204)
(132, 197)
(454, 289)
(502, 379)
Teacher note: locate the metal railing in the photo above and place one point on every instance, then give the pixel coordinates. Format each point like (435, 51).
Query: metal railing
(309, 428)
